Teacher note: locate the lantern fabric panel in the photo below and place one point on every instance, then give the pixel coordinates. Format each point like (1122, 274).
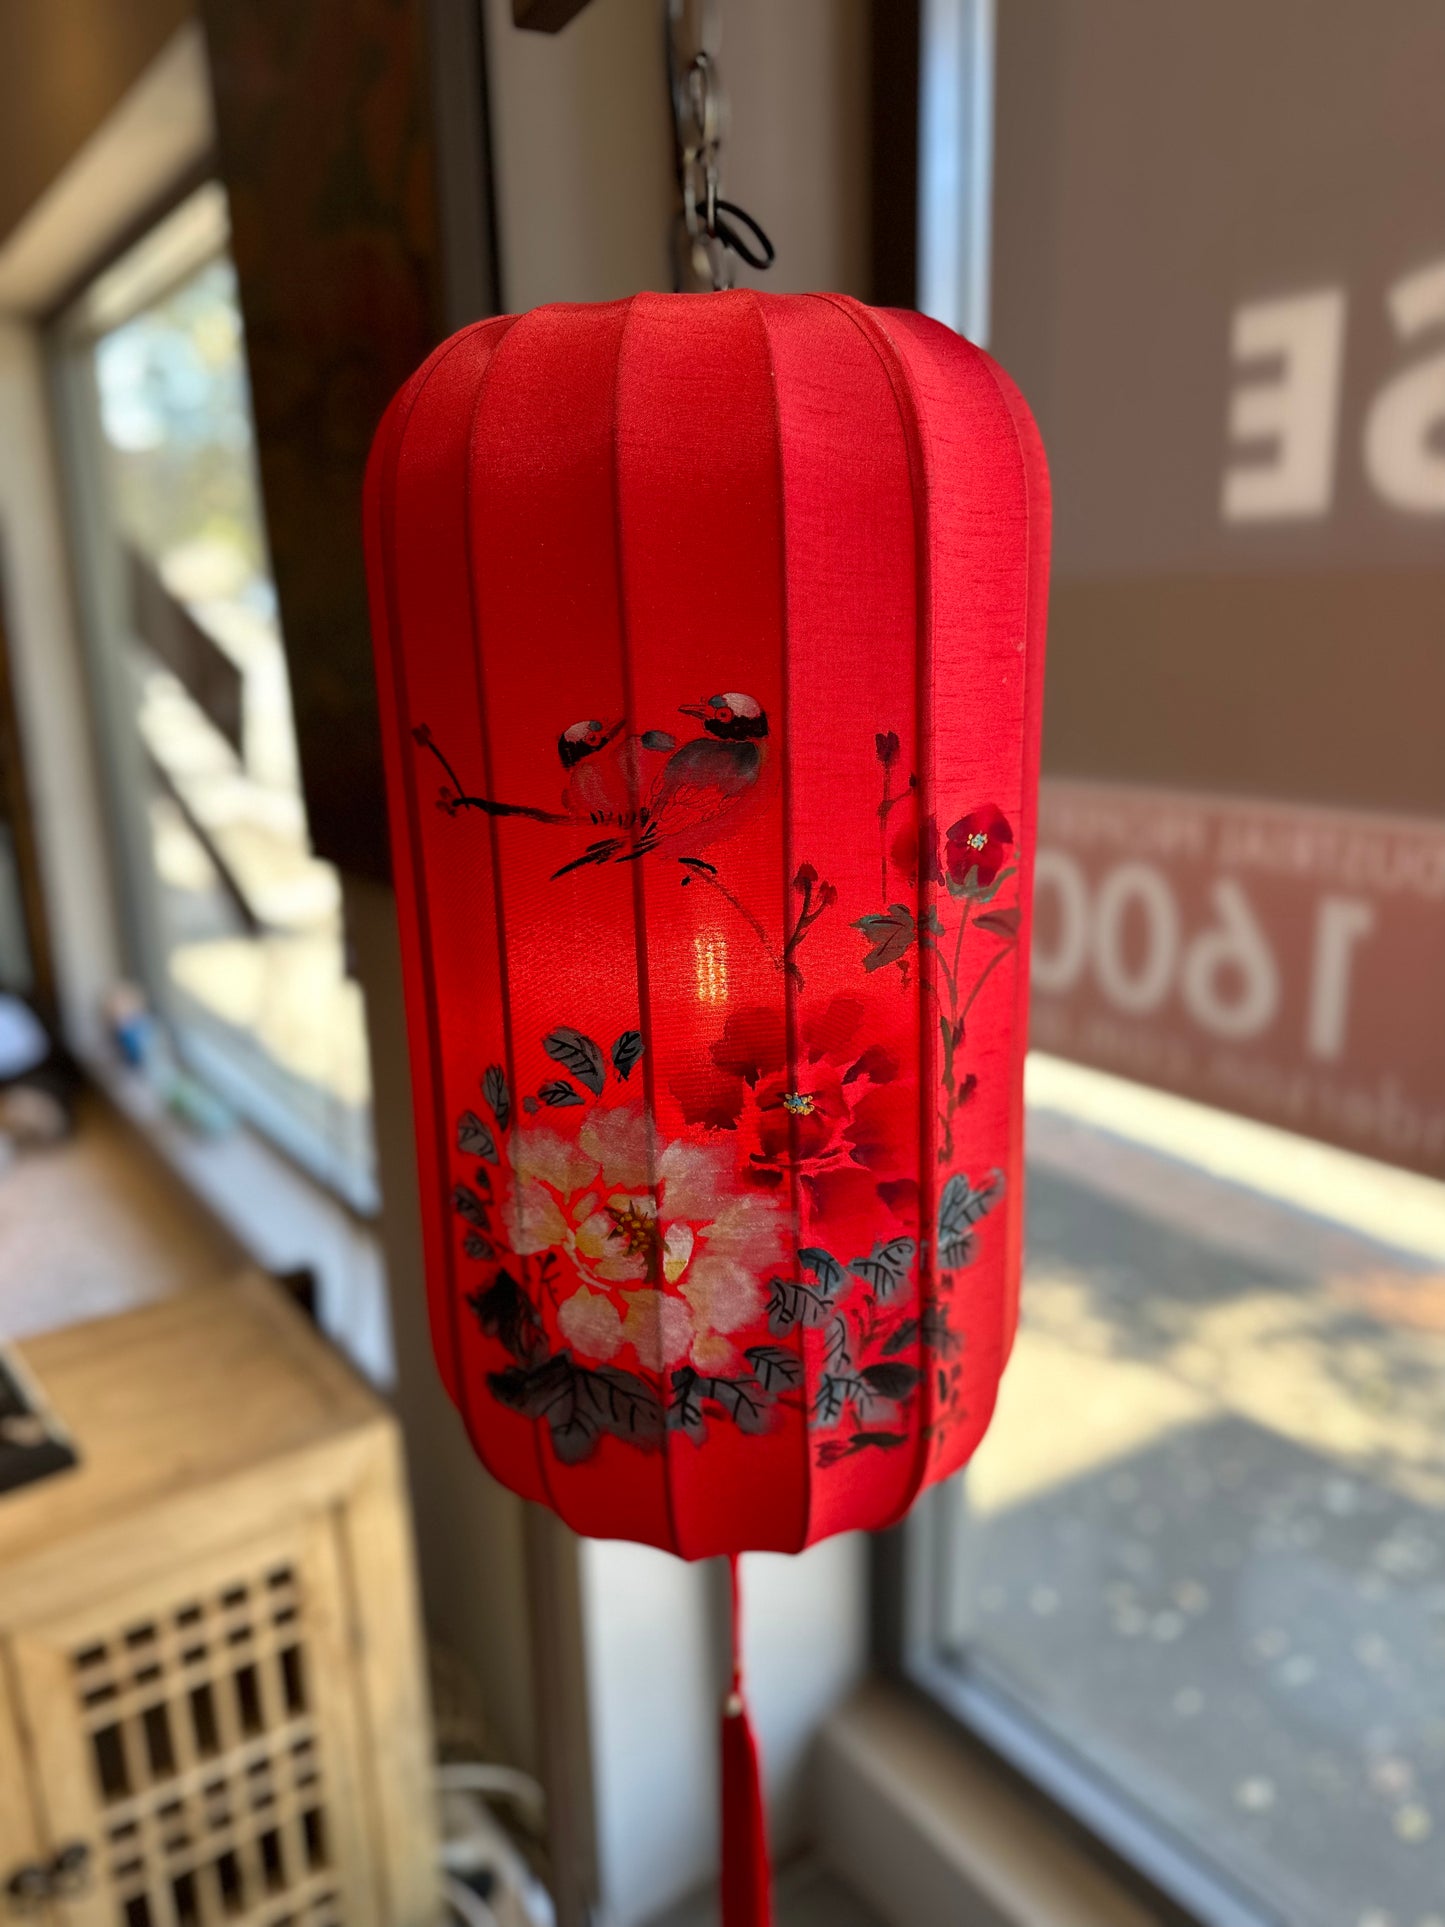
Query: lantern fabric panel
(709, 638)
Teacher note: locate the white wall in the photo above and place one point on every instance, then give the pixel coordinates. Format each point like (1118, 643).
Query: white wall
(469, 1530)
(582, 145)
(657, 1656)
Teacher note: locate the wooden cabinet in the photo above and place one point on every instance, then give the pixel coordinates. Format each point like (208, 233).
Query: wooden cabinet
(211, 1707)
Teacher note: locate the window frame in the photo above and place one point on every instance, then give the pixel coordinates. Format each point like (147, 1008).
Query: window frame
(1142, 1853)
(68, 336)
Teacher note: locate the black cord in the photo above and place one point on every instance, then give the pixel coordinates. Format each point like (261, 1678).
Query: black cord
(730, 237)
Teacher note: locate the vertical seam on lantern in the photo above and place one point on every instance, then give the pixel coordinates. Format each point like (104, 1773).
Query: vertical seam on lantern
(911, 421)
(386, 519)
(1029, 756)
(788, 987)
(790, 995)
(498, 894)
(639, 910)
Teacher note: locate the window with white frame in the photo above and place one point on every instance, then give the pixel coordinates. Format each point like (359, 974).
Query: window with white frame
(1193, 1585)
(233, 923)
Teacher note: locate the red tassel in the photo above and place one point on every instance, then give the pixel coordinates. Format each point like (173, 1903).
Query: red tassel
(747, 1882)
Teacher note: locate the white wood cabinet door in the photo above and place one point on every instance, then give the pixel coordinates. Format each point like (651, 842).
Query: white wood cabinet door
(196, 1735)
(23, 1856)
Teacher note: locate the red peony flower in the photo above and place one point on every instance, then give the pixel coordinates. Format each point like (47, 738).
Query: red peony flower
(979, 845)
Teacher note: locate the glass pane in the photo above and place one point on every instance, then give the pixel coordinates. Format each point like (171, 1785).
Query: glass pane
(1202, 1551)
(244, 922)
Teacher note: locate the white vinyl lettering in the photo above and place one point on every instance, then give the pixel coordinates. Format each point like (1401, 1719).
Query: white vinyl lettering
(1144, 986)
(1056, 971)
(1289, 411)
(1405, 428)
(1231, 982)
(1340, 924)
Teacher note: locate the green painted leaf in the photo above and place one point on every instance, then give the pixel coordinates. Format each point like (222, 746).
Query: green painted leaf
(468, 1205)
(828, 1400)
(892, 1380)
(621, 1404)
(684, 1405)
(891, 934)
(742, 1400)
(475, 1138)
(823, 1266)
(578, 1054)
(580, 1404)
(886, 1266)
(835, 1349)
(626, 1051)
(505, 1312)
(899, 1340)
(494, 1089)
(960, 1207)
(560, 1093)
(790, 1305)
(776, 1370)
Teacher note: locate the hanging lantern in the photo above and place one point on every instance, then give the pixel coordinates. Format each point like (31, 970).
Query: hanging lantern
(709, 633)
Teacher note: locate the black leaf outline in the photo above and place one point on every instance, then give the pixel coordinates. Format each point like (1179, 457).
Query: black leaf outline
(891, 1379)
(577, 1053)
(497, 1094)
(560, 1092)
(824, 1267)
(899, 1340)
(775, 1369)
(505, 1312)
(790, 1304)
(626, 1051)
(886, 1266)
(475, 1138)
(468, 1205)
(960, 1207)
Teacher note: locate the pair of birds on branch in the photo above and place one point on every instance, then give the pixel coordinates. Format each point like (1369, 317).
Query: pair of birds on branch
(650, 794)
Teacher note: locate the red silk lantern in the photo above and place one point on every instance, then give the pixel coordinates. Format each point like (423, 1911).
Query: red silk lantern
(709, 633)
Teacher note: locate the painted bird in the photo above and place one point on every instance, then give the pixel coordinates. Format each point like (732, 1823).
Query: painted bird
(597, 785)
(693, 798)
(699, 790)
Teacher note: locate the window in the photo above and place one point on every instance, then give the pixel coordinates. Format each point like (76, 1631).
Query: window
(233, 923)
(1193, 1585)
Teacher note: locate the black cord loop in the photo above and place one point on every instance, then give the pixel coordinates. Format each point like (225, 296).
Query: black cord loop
(760, 257)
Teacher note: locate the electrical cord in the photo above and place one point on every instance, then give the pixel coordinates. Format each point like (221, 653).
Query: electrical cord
(468, 1907)
(506, 1782)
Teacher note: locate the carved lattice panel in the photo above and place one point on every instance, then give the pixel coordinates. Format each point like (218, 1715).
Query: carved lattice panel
(207, 1750)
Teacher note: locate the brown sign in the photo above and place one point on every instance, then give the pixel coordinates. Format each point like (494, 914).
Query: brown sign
(1280, 961)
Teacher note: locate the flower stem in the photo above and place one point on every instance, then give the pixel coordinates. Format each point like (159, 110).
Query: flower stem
(711, 877)
(983, 976)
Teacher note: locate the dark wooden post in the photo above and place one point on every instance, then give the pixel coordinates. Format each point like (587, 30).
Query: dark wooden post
(327, 151)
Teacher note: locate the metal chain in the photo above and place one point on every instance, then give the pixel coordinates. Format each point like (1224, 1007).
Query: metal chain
(710, 230)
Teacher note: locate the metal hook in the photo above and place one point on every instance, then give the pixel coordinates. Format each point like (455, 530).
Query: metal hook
(705, 240)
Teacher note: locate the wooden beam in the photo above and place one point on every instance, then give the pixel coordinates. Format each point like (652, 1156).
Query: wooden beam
(894, 35)
(324, 127)
(545, 16)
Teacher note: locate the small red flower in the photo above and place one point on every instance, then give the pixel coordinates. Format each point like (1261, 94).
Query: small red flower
(979, 845)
